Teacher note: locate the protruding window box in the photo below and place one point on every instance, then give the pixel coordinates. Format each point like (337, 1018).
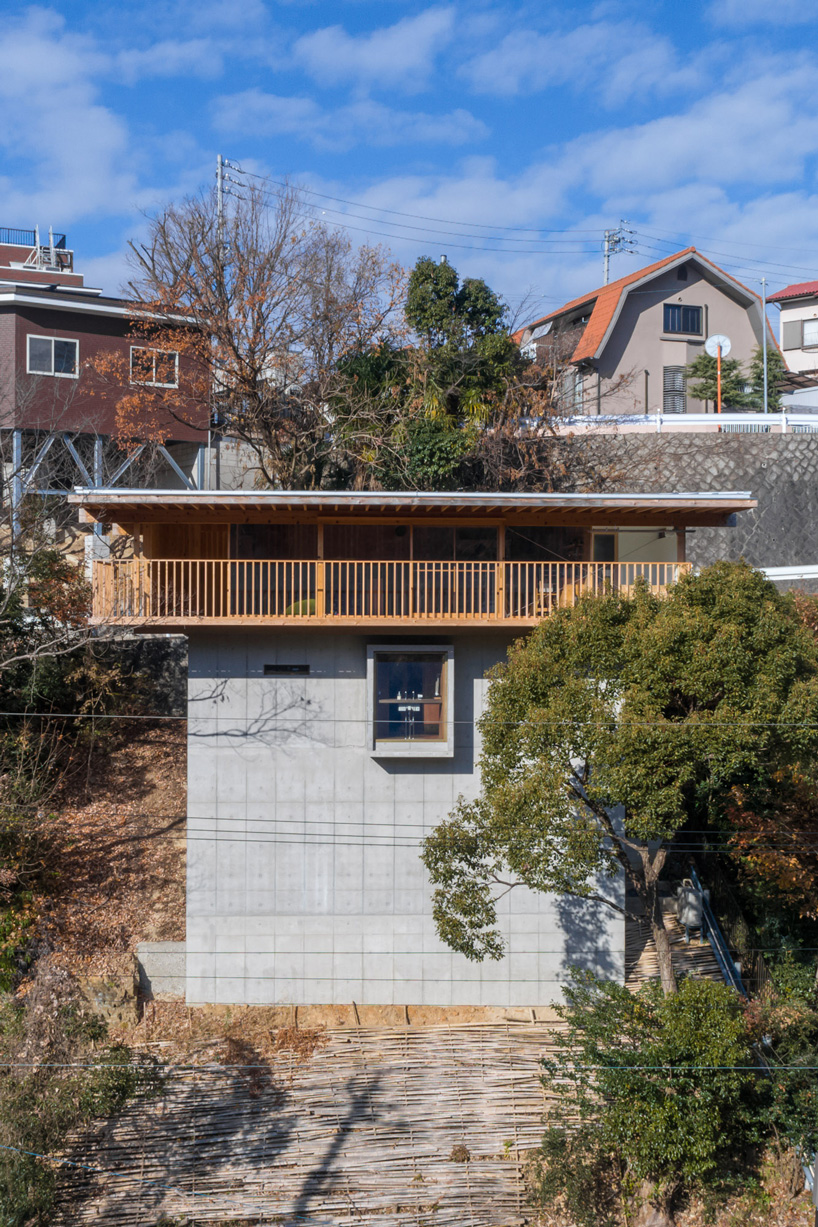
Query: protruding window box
(410, 701)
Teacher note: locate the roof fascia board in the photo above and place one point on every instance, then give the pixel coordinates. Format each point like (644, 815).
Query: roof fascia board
(91, 307)
(379, 498)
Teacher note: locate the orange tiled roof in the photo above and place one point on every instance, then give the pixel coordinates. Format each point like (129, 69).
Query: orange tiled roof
(605, 300)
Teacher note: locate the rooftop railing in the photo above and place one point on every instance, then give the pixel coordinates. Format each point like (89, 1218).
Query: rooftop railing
(27, 238)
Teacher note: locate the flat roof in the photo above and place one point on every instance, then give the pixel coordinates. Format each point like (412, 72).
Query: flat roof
(236, 506)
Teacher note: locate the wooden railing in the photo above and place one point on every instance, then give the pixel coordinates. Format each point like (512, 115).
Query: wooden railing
(180, 591)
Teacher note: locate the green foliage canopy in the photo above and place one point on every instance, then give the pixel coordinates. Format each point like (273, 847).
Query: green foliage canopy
(650, 708)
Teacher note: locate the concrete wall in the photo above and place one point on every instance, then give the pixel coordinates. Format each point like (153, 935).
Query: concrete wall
(304, 883)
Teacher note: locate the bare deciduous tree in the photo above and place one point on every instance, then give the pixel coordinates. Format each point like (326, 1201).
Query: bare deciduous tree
(261, 309)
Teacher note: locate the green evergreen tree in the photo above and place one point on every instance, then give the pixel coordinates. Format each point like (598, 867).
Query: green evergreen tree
(734, 381)
(776, 371)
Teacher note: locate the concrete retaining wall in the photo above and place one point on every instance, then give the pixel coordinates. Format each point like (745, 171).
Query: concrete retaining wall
(781, 471)
(161, 968)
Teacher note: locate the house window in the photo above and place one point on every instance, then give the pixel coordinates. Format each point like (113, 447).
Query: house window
(683, 319)
(810, 334)
(158, 368)
(570, 392)
(53, 356)
(604, 547)
(410, 692)
(673, 389)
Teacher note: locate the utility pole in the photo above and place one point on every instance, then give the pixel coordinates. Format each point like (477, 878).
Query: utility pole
(222, 177)
(764, 336)
(219, 198)
(620, 239)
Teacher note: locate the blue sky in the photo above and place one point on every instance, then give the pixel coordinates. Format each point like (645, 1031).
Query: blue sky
(506, 136)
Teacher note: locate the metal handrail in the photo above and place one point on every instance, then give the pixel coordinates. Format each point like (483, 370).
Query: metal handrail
(27, 238)
(712, 930)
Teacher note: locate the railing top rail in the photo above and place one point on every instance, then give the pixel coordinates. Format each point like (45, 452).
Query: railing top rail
(139, 560)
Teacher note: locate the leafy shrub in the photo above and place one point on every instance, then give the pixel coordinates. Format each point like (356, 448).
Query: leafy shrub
(656, 1093)
(45, 1092)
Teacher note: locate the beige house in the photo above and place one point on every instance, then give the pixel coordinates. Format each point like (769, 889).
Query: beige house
(626, 345)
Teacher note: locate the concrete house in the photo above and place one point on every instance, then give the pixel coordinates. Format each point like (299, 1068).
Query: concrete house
(625, 346)
(338, 647)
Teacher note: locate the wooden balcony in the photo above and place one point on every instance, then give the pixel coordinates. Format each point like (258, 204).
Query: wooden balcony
(177, 593)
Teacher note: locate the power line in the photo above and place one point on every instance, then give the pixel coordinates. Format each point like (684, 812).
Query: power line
(534, 722)
(270, 202)
(679, 234)
(218, 1067)
(419, 216)
(751, 263)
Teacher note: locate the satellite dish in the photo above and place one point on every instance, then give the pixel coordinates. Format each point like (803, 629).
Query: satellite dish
(715, 343)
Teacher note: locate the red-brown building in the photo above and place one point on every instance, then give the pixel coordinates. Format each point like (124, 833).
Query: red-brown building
(51, 326)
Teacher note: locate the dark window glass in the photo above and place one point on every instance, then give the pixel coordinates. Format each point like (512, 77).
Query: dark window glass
(65, 357)
(367, 542)
(544, 544)
(410, 696)
(475, 544)
(604, 547)
(433, 544)
(679, 318)
(285, 541)
(165, 367)
(40, 355)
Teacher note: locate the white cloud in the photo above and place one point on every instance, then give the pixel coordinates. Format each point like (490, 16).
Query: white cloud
(616, 60)
(760, 12)
(401, 55)
(53, 122)
(340, 128)
(759, 132)
(200, 57)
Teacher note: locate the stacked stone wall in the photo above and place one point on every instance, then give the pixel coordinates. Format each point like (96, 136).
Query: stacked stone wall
(780, 471)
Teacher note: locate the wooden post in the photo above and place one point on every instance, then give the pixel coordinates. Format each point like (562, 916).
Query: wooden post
(320, 578)
(501, 571)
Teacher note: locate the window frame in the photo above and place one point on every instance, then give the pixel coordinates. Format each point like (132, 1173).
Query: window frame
(682, 307)
(52, 374)
(411, 749)
(152, 383)
(804, 343)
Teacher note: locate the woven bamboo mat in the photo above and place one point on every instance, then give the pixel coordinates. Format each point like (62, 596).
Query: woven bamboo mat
(408, 1127)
